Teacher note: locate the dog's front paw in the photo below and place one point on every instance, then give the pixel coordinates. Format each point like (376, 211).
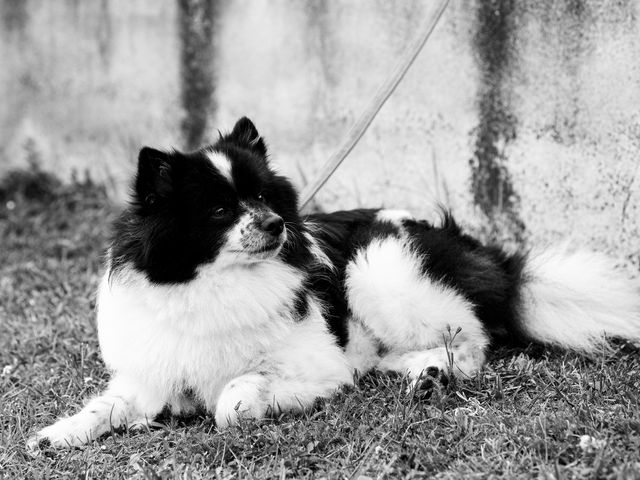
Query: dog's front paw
(242, 397)
(65, 433)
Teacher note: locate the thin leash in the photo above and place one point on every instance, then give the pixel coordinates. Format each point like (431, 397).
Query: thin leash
(381, 96)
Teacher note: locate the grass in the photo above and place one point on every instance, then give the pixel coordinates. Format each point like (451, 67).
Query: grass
(523, 416)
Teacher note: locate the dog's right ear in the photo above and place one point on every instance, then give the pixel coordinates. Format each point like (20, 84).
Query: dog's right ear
(154, 180)
(245, 135)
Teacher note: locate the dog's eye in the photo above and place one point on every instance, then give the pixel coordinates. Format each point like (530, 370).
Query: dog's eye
(219, 212)
(261, 198)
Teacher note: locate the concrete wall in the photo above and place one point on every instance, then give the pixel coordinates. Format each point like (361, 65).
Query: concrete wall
(549, 92)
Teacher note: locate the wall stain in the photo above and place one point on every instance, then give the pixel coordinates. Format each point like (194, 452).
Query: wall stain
(322, 50)
(196, 20)
(569, 25)
(492, 189)
(15, 17)
(104, 34)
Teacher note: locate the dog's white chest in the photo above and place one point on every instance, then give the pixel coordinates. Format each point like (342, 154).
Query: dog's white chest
(190, 335)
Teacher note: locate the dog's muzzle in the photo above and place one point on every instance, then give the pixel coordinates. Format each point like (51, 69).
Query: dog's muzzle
(273, 225)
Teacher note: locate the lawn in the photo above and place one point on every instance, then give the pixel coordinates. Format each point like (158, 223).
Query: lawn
(530, 413)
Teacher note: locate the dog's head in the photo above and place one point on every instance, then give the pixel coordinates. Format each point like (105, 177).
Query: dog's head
(223, 204)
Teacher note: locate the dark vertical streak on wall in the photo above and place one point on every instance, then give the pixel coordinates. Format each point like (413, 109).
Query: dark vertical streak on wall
(493, 191)
(196, 27)
(323, 75)
(320, 24)
(14, 29)
(15, 16)
(104, 34)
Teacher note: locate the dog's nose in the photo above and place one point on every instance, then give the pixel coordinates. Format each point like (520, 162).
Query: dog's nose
(273, 224)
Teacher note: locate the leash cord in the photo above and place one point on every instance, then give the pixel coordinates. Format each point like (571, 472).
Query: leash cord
(367, 116)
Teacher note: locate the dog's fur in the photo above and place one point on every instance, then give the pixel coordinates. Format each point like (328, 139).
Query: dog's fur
(216, 287)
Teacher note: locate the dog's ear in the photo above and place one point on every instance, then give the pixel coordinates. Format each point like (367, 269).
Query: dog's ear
(154, 180)
(245, 134)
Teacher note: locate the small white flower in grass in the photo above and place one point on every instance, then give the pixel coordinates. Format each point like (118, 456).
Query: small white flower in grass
(6, 371)
(88, 379)
(473, 408)
(587, 443)
(11, 205)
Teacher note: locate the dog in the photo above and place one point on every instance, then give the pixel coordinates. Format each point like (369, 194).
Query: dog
(218, 294)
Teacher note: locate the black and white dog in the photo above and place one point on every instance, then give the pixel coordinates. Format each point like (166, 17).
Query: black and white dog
(216, 286)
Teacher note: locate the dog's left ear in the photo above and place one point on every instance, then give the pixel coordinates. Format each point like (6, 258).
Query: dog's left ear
(245, 134)
(155, 178)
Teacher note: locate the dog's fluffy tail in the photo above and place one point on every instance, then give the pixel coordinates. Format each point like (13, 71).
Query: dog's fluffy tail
(576, 299)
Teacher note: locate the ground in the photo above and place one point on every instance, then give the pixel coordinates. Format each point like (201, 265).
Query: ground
(530, 413)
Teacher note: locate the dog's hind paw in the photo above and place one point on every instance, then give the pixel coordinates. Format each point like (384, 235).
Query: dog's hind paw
(431, 378)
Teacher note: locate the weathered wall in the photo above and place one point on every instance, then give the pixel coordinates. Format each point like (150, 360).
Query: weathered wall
(534, 104)
(85, 83)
